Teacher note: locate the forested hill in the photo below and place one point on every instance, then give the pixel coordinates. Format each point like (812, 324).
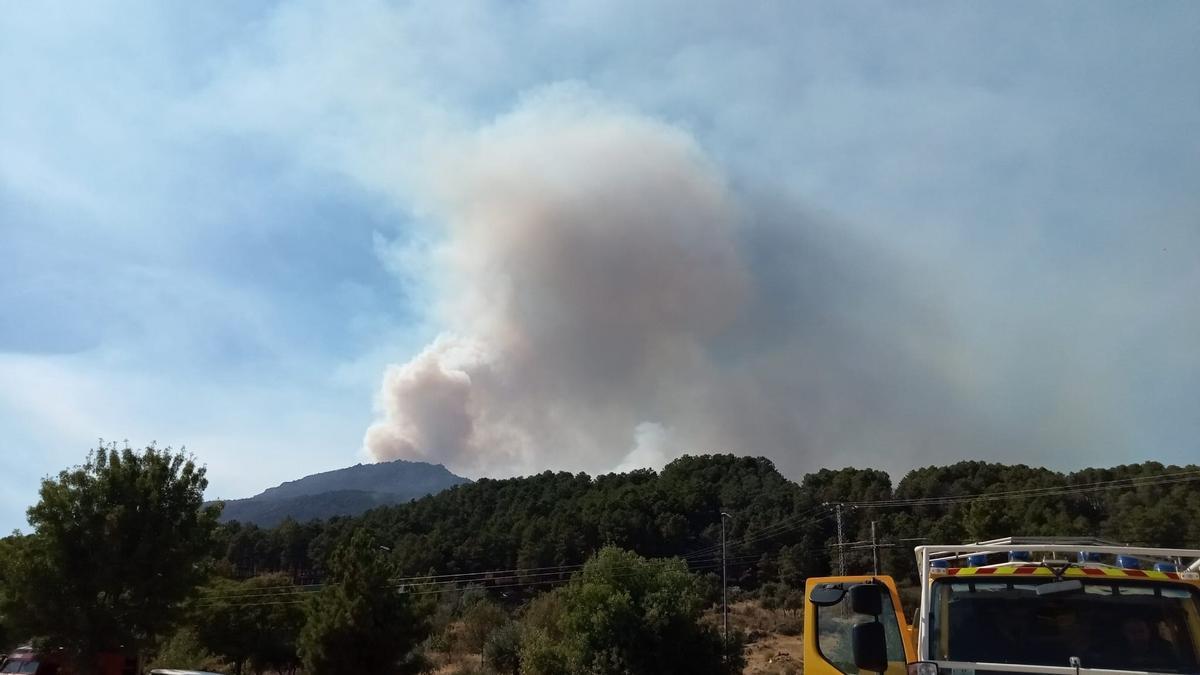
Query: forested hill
(780, 530)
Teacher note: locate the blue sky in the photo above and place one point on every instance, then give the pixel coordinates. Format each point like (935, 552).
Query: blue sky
(221, 222)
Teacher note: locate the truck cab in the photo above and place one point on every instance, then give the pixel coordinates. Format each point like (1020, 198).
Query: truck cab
(1015, 605)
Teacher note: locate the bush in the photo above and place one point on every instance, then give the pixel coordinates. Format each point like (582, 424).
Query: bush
(184, 651)
(790, 627)
(541, 655)
(502, 649)
(771, 589)
(794, 601)
(545, 613)
(479, 622)
(624, 613)
(442, 641)
(469, 598)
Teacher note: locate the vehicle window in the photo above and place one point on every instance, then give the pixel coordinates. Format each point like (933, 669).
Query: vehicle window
(11, 667)
(834, 624)
(29, 667)
(1116, 625)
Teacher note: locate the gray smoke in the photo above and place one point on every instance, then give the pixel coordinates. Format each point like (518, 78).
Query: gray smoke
(610, 301)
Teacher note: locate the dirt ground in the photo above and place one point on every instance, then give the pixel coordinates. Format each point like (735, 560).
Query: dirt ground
(770, 651)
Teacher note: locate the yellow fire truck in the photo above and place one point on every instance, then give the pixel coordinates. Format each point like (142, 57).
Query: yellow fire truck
(1041, 606)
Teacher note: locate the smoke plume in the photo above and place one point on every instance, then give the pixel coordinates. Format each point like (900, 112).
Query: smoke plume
(610, 301)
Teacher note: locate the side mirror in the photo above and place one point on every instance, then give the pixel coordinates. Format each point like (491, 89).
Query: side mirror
(826, 595)
(869, 646)
(866, 599)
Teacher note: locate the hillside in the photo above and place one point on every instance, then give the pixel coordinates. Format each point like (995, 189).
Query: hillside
(782, 530)
(343, 492)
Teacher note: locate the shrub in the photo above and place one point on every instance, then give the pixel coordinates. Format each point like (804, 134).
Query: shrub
(502, 649)
(479, 622)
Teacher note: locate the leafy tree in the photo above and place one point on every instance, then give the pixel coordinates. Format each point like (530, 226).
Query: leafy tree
(185, 651)
(255, 622)
(118, 544)
(542, 655)
(360, 623)
(479, 621)
(502, 649)
(626, 614)
(8, 553)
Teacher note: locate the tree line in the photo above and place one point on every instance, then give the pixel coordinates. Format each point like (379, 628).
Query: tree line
(781, 530)
(542, 575)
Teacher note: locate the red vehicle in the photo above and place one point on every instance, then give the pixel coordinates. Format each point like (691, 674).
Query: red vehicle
(30, 662)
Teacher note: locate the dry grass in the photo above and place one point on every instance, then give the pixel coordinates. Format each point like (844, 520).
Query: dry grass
(770, 650)
(455, 660)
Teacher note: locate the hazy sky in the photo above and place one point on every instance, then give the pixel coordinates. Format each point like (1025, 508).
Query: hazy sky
(511, 236)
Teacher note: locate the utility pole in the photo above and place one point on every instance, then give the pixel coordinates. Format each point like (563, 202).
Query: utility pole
(724, 593)
(841, 541)
(874, 552)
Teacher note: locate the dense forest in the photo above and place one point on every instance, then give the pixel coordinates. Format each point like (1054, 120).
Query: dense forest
(780, 530)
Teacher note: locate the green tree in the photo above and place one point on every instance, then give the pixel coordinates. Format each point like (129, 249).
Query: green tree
(9, 547)
(360, 622)
(255, 622)
(478, 622)
(543, 655)
(118, 544)
(502, 649)
(625, 614)
(185, 651)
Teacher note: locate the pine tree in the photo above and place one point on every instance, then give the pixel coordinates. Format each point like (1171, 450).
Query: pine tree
(361, 622)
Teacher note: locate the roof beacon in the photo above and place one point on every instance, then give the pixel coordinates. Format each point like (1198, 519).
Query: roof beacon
(1128, 562)
(977, 560)
(1019, 556)
(1165, 567)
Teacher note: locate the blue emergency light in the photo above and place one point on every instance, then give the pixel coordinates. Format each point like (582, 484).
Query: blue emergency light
(1020, 556)
(1127, 562)
(1165, 567)
(1089, 556)
(977, 560)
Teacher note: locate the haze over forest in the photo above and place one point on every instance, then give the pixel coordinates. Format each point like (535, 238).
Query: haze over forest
(597, 236)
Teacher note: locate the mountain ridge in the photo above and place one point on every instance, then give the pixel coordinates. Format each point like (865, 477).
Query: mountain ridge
(349, 491)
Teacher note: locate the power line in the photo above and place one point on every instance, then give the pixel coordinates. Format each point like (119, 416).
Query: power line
(424, 583)
(446, 587)
(780, 527)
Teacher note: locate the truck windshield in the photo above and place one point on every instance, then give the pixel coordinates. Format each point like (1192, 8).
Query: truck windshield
(1106, 624)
